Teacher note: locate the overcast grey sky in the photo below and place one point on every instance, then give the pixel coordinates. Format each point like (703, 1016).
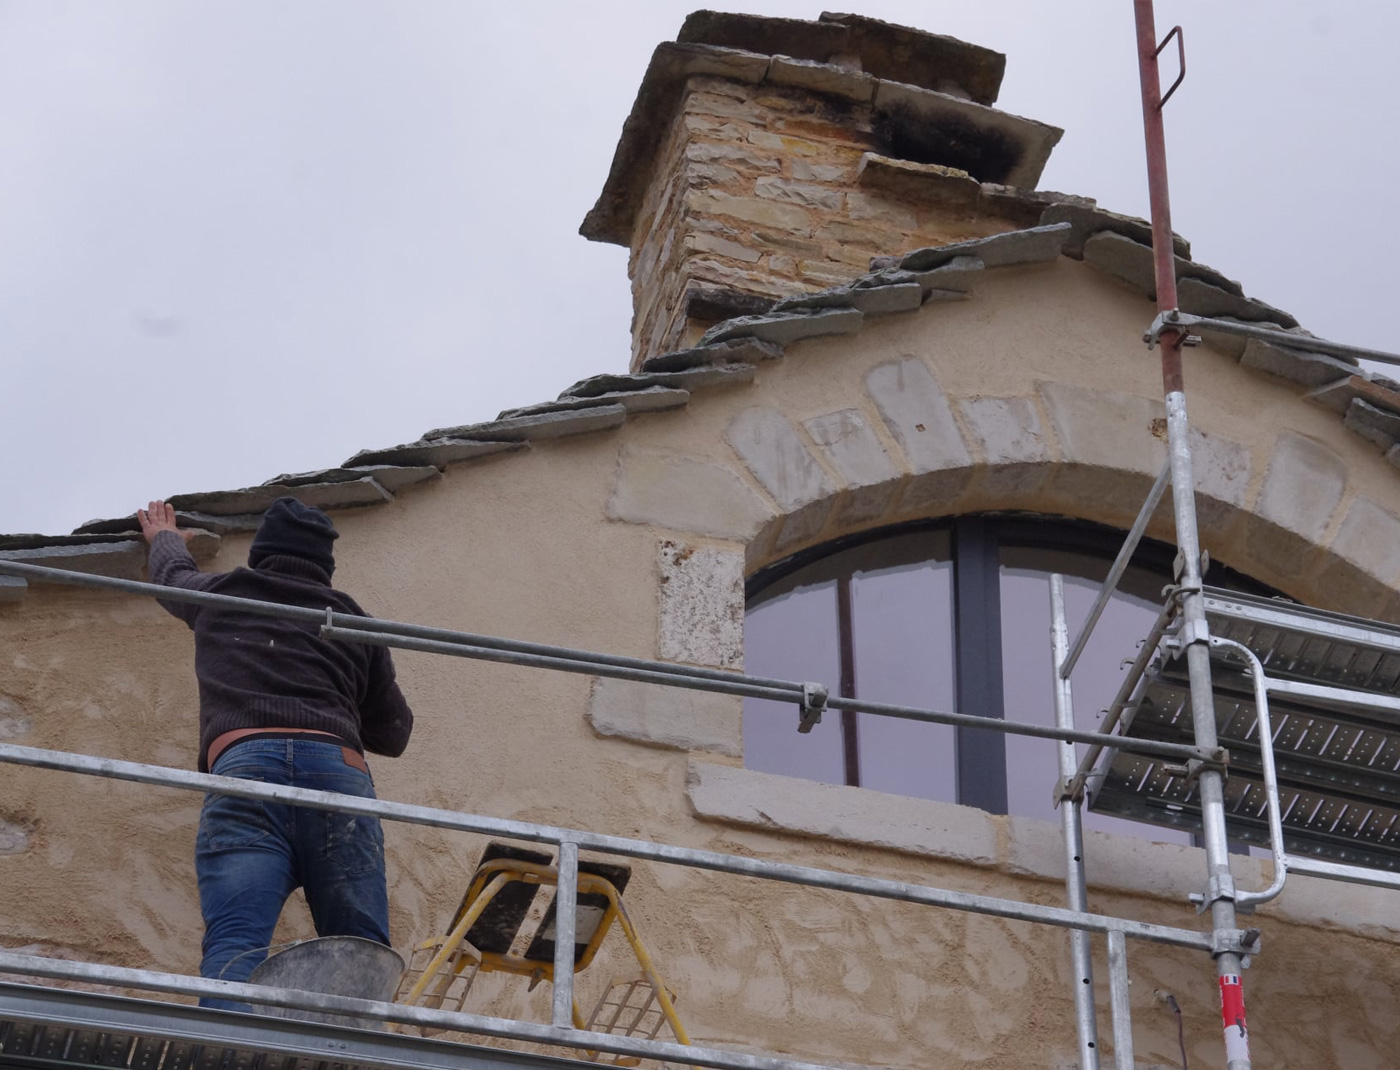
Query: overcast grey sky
(243, 237)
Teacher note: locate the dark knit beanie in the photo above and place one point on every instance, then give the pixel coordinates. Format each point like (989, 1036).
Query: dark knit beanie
(297, 530)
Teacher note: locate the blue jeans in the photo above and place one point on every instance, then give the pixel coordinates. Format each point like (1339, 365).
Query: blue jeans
(251, 854)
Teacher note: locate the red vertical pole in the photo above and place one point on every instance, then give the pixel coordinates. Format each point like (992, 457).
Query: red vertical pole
(1220, 887)
(1163, 251)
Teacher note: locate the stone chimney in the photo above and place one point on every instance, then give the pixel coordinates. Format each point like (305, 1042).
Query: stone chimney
(766, 157)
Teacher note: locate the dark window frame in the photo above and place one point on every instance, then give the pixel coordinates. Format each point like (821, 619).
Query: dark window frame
(977, 541)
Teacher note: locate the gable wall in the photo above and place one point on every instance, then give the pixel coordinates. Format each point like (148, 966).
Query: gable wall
(569, 542)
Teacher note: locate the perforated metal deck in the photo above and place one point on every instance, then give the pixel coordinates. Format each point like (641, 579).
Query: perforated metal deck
(57, 1029)
(1335, 708)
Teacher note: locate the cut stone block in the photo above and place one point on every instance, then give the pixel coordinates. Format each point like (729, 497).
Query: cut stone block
(1373, 424)
(916, 412)
(853, 448)
(667, 716)
(12, 589)
(1006, 430)
(784, 328)
(1304, 484)
(1025, 143)
(822, 78)
(1085, 221)
(355, 492)
(1032, 246)
(1222, 468)
(1369, 537)
(957, 275)
(651, 399)
(439, 452)
(124, 559)
(392, 478)
(861, 816)
(1106, 428)
(778, 459)
(1134, 264)
(693, 379)
(544, 426)
(13, 723)
(1295, 365)
(702, 605)
(13, 838)
(735, 351)
(855, 451)
(1202, 299)
(683, 494)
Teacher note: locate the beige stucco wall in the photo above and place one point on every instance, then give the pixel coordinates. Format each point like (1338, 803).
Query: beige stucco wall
(1035, 394)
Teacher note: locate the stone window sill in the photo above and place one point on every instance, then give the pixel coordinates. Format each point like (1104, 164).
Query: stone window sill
(1016, 845)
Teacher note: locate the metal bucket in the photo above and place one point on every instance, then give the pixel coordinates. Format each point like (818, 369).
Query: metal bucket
(335, 966)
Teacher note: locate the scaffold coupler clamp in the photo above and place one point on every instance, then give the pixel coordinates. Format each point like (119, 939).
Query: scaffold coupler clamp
(813, 703)
(1188, 633)
(1171, 320)
(1219, 886)
(1242, 942)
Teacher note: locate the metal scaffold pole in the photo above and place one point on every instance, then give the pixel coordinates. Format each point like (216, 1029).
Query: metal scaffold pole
(1194, 637)
(1072, 827)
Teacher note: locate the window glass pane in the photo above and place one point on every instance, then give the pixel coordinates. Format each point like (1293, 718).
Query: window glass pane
(903, 640)
(1028, 675)
(793, 637)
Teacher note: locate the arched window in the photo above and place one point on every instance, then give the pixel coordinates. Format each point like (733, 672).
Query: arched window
(953, 615)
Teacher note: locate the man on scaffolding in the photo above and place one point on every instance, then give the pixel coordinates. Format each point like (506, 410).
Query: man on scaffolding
(281, 705)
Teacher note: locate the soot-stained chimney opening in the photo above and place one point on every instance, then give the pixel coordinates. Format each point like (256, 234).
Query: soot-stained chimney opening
(949, 141)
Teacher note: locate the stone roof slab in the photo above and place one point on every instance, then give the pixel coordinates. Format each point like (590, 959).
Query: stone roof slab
(541, 426)
(782, 328)
(1295, 365)
(734, 351)
(1035, 245)
(650, 399)
(822, 78)
(883, 49)
(691, 379)
(363, 491)
(391, 477)
(1086, 221)
(1374, 424)
(439, 452)
(1135, 264)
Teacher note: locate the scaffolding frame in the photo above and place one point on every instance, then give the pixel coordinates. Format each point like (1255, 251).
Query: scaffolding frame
(808, 697)
(1182, 628)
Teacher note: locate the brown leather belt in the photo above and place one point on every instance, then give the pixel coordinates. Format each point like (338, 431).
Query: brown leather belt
(221, 743)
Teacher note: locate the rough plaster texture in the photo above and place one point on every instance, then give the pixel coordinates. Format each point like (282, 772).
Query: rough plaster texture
(559, 543)
(702, 605)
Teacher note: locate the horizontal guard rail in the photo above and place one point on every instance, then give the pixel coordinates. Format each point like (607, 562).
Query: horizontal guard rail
(482, 1025)
(115, 769)
(375, 631)
(737, 685)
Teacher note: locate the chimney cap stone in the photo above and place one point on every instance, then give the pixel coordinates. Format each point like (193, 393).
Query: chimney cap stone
(885, 50)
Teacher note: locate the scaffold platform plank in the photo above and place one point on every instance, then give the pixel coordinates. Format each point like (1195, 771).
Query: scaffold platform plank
(62, 1029)
(1335, 708)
